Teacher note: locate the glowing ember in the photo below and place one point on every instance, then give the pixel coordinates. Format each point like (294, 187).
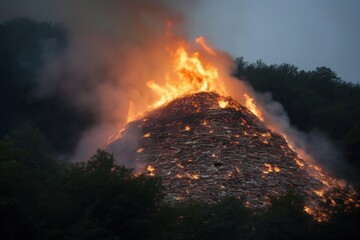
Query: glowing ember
(266, 134)
(319, 192)
(187, 128)
(151, 170)
(192, 176)
(179, 165)
(204, 123)
(223, 103)
(268, 168)
(298, 162)
(147, 135)
(308, 210)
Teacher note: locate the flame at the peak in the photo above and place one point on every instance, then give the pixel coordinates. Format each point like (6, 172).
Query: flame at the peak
(191, 76)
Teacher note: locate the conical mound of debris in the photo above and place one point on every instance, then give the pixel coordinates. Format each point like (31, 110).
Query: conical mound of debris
(204, 147)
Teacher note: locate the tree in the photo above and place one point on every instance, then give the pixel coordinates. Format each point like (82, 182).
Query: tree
(285, 218)
(111, 197)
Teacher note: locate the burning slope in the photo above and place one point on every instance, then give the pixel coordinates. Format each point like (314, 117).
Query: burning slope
(204, 150)
(205, 145)
(190, 74)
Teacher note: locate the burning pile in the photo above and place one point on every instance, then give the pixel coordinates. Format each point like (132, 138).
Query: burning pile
(205, 146)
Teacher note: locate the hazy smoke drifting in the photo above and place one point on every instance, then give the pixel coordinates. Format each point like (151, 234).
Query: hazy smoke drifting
(313, 146)
(115, 47)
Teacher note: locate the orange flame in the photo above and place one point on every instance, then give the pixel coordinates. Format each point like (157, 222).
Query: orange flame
(192, 76)
(250, 104)
(201, 40)
(223, 104)
(151, 170)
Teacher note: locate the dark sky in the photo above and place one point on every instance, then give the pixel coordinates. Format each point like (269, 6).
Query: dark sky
(306, 33)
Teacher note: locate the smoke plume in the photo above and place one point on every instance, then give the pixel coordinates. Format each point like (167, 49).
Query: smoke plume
(114, 48)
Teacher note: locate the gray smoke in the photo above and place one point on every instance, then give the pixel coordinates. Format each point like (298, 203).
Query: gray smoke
(313, 146)
(114, 48)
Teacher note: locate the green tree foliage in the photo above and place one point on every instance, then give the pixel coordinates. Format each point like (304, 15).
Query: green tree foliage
(284, 219)
(18, 190)
(183, 220)
(111, 197)
(42, 199)
(229, 219)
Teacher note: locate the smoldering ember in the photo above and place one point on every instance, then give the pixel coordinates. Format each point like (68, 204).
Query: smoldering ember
(205, 146)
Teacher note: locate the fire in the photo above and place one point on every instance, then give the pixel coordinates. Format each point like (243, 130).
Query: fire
(192, 73)
(151, 170)
(201, 40)
(192, 76)
(131, 115)
(223, 103)
(320, 193)
(299, 163)
(266, 134)
(192, 176)
(269, 168)
(250, 104)
(308, 210)
(204, 123)
(179, 165)
(188, 175)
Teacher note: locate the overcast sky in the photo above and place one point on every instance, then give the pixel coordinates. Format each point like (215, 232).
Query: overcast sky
(306, 33)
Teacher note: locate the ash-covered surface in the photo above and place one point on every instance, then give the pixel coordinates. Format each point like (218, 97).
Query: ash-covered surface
(205, 152)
